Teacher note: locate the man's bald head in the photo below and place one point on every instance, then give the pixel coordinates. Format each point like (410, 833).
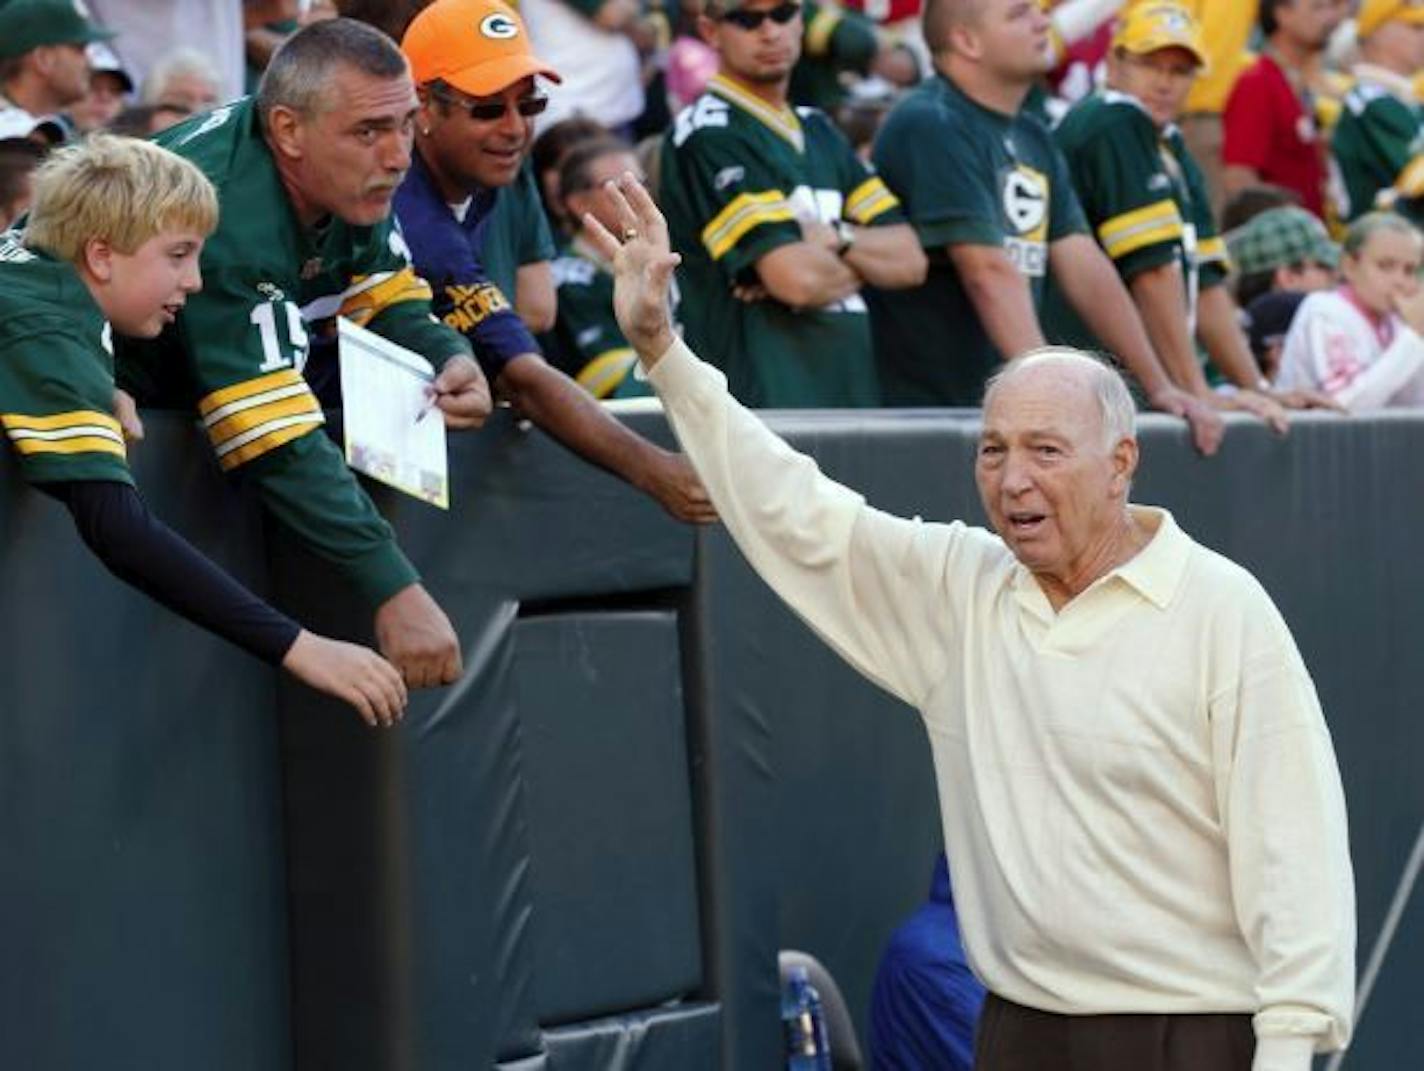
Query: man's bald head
(939, 17)
(1082, 379)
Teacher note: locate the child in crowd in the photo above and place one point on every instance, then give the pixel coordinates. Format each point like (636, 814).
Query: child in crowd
(1360, 342)
(112, 243)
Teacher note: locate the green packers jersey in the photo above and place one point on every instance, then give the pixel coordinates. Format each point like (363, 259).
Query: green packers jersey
(517, 233)
(834, 41)
(588, 343)
(241, 343)
(736, 176)
(966, 176)
(1144, 198)
(1378, 146)
(56, 372)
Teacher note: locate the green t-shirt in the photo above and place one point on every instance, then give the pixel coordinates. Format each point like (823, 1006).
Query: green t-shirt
(1378, 146)
(735, 175)
(239, 346)
(517, 233)
(56, 372)
(966, 175)
(588, 344)
(1144, 198)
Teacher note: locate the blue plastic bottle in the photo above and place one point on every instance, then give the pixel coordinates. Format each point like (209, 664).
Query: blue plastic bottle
(803, 1024)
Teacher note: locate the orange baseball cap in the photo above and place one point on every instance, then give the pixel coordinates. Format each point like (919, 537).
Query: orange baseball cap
(478, 46)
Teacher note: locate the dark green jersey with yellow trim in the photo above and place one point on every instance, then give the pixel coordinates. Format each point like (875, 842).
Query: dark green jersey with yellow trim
(1378, 146)
(241, 343)
(56, 372)
(966, 176)
(588, 343)
(1144, 198)
(736, 176)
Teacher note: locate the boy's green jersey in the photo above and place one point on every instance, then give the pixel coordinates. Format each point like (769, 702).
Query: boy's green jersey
(1378, 146)
(966, 175)
(1145, 199)
(239, 346)
(737, 176)
(56, 371)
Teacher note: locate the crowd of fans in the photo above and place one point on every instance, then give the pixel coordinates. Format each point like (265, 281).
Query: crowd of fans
(844, 247)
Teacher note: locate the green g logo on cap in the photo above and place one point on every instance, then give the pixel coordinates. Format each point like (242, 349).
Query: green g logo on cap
(498, 26)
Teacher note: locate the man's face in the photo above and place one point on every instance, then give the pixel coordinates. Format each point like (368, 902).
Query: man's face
(1160, 80)
(353, 152)
(758, 43)
(66, 72)
(480, 142)
(1012, 36)
(148, 287)
(1051, 487)
(595, 199)
(1308, 23)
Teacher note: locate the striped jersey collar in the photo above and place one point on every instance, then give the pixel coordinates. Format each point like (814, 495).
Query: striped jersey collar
(781, 121)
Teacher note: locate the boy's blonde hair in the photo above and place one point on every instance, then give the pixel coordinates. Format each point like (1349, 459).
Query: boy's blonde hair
(122, 190)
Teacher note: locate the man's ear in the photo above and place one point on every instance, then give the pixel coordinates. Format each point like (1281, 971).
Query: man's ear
(97, 259)
(707, 30)
(1124, 458)
(284, 132)
(966, 42)
(426, 110)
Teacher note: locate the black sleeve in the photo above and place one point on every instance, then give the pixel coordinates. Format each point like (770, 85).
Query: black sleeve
(139, 549)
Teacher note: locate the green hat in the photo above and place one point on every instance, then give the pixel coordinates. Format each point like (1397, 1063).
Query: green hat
(1280, 237)
(26, 25)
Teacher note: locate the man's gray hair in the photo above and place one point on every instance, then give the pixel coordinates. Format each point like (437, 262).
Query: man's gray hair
(1115, 405)
(299, 75)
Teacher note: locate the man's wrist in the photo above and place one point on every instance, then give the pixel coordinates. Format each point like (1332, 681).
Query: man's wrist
(845, 237)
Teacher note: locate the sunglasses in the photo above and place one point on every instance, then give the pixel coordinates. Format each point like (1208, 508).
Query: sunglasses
(743, 19)
(488, 111)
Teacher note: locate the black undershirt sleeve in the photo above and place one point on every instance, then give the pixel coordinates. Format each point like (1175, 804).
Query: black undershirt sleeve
(115, 523)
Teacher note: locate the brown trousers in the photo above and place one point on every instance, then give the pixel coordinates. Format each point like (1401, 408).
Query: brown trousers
(1011, 1037)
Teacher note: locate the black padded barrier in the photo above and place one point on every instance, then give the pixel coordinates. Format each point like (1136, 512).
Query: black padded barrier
(202, 870)
(142, 895)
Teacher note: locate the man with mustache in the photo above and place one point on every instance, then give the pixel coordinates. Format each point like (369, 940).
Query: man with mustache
(306, 172)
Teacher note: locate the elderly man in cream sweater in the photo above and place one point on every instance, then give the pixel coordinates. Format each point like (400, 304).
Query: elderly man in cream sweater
(1149, 828)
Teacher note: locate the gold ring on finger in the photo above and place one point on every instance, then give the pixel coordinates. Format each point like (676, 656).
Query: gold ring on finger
(629, 234)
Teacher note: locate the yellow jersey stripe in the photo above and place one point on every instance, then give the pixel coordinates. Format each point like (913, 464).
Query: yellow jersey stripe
(871, 208)
(1410, 182)
(601, 376)
(240, 424)
(744, 212)
(868, 190)
(270, 437)
(1213, 251)
(1159, 212)
(222, 412)
(83, 444)
(285, 377)
(77, 418)
(369, 301)
(1147, 234)
(818, 34)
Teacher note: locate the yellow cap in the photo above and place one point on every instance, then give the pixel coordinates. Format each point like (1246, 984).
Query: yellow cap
(1375, 13)
(1159, 24)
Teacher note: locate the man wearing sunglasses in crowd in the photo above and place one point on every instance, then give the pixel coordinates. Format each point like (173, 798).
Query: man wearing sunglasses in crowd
(475, 75)
(779, 224)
